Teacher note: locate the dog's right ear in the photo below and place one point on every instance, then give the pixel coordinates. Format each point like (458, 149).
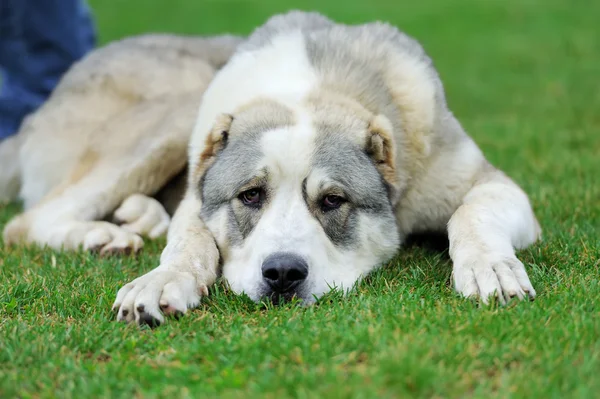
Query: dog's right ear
(215, 143)
(217, 139)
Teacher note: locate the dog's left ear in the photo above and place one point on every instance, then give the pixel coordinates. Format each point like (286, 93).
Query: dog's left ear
(380, 146)
(215, 143)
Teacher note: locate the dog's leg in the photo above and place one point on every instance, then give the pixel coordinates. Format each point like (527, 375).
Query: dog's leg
(68, 217)
(65, 225)
(188, 265)
(494, 219)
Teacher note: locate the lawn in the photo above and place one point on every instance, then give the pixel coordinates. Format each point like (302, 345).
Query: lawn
(522, 77)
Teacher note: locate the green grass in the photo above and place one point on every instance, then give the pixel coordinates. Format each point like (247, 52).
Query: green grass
(522, 77)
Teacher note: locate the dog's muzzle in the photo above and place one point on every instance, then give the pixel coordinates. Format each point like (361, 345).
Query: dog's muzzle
(284, 273)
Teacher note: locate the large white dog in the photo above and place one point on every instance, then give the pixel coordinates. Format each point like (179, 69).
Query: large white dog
(317, 149)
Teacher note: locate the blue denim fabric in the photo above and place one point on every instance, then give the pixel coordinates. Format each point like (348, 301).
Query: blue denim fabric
(39, 41)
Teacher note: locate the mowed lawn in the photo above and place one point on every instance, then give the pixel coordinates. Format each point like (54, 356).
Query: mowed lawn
(523, 78)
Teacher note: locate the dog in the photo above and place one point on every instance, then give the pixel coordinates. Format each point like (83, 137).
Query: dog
(316, 150)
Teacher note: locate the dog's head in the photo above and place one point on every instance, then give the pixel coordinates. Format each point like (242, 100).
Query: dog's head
(299, 201)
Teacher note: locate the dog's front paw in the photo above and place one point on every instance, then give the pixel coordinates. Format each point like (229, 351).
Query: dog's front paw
(147, 299)
(487, 276)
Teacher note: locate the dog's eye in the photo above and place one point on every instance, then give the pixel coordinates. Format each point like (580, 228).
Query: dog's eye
(331, 202)
(251, 197)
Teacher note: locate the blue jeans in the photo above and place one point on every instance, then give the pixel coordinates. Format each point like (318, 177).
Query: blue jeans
(39, 41)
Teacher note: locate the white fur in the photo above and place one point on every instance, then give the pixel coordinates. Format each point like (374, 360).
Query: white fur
(143, 215)
(184, 272)
(495, 218)
(280, 70)
(286, 226)
(156, 293)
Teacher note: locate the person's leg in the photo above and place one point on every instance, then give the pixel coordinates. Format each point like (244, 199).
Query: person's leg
(39, 41)
(12, 55)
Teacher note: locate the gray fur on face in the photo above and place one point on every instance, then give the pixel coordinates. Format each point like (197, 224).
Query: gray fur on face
(243, 217)
(260, 115)
(337, 54)
(341, 70)
(331, 49)
(234, 170)
(355, 175)
(234, 167)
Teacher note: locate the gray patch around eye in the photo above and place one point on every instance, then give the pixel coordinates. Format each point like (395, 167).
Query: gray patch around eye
(235, 165)
(234, 168)
(349, 166)
(342, 229)
(339, 224)
(244, 218)
(234, 234)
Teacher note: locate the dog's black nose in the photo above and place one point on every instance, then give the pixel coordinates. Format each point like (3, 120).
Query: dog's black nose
(284, 271)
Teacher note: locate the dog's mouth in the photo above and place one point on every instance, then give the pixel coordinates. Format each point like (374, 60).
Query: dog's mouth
(281, 298)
